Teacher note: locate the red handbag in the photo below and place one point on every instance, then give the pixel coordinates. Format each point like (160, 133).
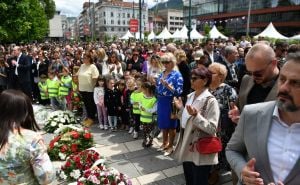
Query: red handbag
(209, 145)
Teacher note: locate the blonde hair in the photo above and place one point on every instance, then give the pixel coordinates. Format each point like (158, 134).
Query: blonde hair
(170, 57)
(101, 53)
(180, 55)
(221, 70)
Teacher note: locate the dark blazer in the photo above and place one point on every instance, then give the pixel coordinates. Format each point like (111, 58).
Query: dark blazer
(245, 88)
(24, 69)
(250, 139)
(229, 79)
(215, 56)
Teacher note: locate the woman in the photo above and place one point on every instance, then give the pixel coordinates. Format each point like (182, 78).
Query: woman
(113, 67)
(87, 79)
(23, 153)
(169, 84)
(225, 94)
(154, 68)
(197, 123)
(185, 72)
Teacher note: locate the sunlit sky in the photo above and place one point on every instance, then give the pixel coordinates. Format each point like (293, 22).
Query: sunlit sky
(72, 8)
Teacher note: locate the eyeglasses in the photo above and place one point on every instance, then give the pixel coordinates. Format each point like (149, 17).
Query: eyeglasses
(259, 73)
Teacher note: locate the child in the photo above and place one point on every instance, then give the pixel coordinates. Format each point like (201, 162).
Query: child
(135, 99)
(99, 101)
(42, 84)
(65, 89)
(77, 104)
(148, 107)
(53, 85)
(112, 101)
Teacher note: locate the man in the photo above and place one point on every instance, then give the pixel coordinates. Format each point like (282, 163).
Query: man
(260, 85)
(281, 49)
(22, 70)
(209, 51)
(264, 148)
(228, 60)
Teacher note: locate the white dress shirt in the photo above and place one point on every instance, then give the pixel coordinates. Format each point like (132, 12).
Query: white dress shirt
(283, 147)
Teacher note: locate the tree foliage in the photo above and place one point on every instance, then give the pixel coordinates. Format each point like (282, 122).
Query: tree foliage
(24, 20)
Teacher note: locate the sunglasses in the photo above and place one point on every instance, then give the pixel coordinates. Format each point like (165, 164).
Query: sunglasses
(194, 78)
(259, 73)
(166, 62)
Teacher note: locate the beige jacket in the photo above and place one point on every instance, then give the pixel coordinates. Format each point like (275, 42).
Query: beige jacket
(198, 127)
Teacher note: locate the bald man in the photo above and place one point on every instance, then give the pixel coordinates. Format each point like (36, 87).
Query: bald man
(259, 85)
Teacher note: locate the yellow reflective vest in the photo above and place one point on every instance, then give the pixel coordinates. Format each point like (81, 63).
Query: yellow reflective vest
(53, 86)
(43, 89)
(147, 103)
(135, 99)
(65, 86)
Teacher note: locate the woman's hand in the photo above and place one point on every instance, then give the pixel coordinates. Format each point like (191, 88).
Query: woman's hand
(191, 110)
(178, 102)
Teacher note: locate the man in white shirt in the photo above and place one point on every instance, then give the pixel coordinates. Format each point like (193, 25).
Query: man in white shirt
(264, 148)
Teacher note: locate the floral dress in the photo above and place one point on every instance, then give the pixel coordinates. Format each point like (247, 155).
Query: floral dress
(24, 160)
(225, 94)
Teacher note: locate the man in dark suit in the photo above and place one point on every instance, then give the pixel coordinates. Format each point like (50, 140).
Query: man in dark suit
(22, 71)
(228, 60)
(264, 148)
(209, 51)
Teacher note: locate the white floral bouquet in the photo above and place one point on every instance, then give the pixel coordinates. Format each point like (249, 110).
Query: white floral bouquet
(59, 118)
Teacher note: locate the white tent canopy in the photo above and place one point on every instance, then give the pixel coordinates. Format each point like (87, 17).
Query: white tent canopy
(127, 36)
(195, 34)
(296, 37)
(177, 35)
(271, 32)
(214, 33)
(165, 34)
(151, 35)
(184, 32)
(137, 35)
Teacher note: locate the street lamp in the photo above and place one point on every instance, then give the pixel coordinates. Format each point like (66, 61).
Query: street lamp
(190, 24)
(248, 18)
(140, 17)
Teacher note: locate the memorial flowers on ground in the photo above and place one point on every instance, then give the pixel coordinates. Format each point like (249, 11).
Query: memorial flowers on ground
(58, 118)
(70, 139)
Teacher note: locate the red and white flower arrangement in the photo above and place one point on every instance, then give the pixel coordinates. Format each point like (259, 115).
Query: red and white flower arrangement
(70, 140)
(88, 168)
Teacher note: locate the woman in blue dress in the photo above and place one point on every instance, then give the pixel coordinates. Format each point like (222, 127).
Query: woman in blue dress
(168, 85)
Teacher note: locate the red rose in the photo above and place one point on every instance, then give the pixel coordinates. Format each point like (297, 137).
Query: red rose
(77, 159)
(87, 173)
(75, 134)
(64, 148)
(79, 166)
(87, 135)
(68, 164)
(113, 183)
(80, 183)
(74, 147)
(105, 181)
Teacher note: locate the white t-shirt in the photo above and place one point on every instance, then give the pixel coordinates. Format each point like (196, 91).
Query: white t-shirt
(86, 74)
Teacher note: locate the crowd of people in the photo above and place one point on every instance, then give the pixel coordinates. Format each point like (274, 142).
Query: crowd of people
(198, 90)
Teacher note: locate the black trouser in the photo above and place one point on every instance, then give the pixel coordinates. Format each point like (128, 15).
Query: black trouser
(88, 100)
(137, 122)
(147, 129)
(196, 175)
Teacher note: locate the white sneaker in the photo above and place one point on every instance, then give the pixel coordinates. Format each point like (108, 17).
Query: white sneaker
(130, 130)
(105, 127)
(101, 126)
(135, 135)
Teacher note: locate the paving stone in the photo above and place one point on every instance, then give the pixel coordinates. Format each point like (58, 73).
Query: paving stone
(126, 167)
(177, 170)
(175, 180)
(152, 177)
(111, 150)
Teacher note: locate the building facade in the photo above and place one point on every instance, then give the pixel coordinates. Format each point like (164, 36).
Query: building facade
(233, 15)
(109, 18)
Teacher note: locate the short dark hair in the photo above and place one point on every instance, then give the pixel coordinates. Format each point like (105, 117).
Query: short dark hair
(203, 73)
(294, 57)
(208, 40)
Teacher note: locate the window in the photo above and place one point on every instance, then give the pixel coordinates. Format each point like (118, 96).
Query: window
(144, 17)
(112, 29)
(123, 22)
(119, 29)
(119, 15)
(112, 22)
(119, 22)
(111, 14)
(123, 15)
(171, 17)
(104, 22)
(128, 15)
(104, 14)
(124, 29)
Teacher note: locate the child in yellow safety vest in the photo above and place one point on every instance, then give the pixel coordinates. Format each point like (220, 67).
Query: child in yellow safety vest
(135, 99)
(42, 84)
(53, 85)
(64, 91)
(148, 107)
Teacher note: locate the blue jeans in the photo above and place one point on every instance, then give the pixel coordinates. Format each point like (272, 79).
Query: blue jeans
(112, 120)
